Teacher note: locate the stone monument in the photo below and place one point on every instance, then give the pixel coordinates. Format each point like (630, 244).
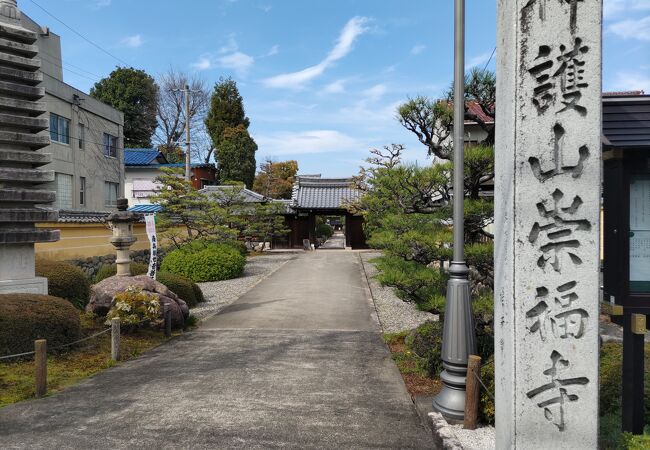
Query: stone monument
(547, 206)
(23, 126)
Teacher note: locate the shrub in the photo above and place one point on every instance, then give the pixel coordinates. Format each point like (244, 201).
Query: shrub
(110, 270)
(239, 246)
(324, 230)
(180, 286)
(27, 317)
(213, 262)
(425, 341)
(198, 293)
(65, 281)
(135, 308)
(486, 407)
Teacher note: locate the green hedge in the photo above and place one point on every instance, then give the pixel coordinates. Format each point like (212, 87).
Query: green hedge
(426, 341)
(239, 246)
(212, 262)
(181, 286)
(27, 317)
(65, 281)
(110, 270)
(324, 230)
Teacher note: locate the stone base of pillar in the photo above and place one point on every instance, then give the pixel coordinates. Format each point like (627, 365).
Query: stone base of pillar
(36, 285)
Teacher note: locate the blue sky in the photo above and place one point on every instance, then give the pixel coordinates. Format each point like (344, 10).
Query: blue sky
(320, 79)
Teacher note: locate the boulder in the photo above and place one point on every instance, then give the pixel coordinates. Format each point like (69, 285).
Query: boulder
(102, 296)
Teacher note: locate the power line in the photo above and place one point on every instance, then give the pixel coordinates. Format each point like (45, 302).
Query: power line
(490, 59)
(79, 34)
(65, 68)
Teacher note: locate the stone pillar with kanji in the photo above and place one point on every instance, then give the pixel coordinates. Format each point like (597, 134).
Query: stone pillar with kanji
(547, 206)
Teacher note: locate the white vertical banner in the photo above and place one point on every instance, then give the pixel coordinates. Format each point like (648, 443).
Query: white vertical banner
(150, 224)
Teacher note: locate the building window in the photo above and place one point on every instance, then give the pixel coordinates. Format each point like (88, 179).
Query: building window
(59, 129)
(82, 191)
(110, 193)
(63, 191)
(82, 136)
(110, 145)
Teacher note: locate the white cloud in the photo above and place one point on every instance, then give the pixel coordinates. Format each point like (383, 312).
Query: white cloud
(134, 41)
(307, 142)
(335, 87)
(228, 57)
(614, 8)
(632, 28)
(375, 93)
(631, 81)
(350, 32)
(274, 50)
(266, 8)
(237, 61)
(204, 63)
(478, 60)
(102, 3)
(417, 49)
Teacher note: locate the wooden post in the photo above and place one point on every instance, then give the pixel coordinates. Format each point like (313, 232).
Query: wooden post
(115, 339)
(472, 392)
(40, 360)
(167, 316)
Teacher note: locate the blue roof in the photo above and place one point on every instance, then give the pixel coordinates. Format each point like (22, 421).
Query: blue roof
(146, 208)
(141, 156)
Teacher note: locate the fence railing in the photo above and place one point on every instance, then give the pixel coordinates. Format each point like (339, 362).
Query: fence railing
(40, 349)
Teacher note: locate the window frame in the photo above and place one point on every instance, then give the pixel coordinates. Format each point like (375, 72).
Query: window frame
(81, 140)
(82, 191)
(108, 185)
(110, 142)
(56, 129)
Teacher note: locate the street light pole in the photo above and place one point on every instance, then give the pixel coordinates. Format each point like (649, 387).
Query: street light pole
(458, 340)
(188, 175)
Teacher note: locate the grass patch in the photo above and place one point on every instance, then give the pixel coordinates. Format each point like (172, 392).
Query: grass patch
(415, 377)
(66, 369)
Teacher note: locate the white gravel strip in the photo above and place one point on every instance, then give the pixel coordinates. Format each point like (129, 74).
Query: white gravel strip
(480, 439)
(219, 294)
(394, 314)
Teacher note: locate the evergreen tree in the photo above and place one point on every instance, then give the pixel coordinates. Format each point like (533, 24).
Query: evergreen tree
(235, 156)
(227, 126)
(134, 93)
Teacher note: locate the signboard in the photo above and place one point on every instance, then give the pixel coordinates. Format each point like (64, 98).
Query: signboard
(640, 233)
(150, 223)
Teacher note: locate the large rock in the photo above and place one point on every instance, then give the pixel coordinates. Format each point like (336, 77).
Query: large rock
(102, 296)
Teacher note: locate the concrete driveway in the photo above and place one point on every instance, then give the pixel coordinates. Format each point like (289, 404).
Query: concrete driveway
(297, 362)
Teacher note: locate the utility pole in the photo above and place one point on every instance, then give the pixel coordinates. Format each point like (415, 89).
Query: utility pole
(188, 175)
(458, 339)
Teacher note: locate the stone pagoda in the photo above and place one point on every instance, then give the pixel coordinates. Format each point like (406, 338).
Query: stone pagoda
(23, 126)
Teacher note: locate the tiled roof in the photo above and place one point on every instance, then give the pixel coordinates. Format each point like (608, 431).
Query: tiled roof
(146, 208)
(247, 196)
(80, 216)
(172, 165)
(623, 93)
(142, 156)
(323, 193)
(626, 121)
(476, 110)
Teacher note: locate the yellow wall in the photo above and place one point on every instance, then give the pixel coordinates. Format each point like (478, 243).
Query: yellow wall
(82, 240)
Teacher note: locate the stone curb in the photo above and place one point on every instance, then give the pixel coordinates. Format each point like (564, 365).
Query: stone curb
(443, 435)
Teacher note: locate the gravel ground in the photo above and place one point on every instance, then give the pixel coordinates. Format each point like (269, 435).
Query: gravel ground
(219, 294)
(479, 439)
(394, 314)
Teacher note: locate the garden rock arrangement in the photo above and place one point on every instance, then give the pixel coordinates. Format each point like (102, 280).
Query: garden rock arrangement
(394, 314)
(91, 265)
(102, 296)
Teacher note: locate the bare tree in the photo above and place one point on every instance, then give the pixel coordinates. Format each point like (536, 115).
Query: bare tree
(171, 109)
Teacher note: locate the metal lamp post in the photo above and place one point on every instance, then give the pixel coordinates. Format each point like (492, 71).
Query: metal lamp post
(458, 340)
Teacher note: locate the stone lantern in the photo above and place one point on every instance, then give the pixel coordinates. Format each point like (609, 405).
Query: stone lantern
(23, 126)
(121, 222)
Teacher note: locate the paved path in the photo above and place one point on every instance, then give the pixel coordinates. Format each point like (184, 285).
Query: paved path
(297, 362)
(337, 240)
